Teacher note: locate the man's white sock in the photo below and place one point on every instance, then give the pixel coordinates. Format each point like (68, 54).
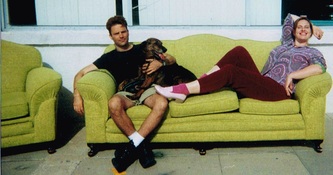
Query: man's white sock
(136, 138)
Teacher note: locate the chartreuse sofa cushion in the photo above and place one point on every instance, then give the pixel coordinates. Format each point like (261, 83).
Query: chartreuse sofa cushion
(29, 94)
(218, 116)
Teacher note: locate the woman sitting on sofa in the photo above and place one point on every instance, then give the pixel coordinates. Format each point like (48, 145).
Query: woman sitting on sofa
(293, 60)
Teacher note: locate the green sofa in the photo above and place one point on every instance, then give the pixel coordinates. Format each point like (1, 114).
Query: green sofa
(215, 117)
(29, 94)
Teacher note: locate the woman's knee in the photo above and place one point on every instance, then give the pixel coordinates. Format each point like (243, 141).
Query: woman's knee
(240, 49)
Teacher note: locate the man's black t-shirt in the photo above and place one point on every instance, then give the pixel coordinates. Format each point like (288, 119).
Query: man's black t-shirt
(122, 65)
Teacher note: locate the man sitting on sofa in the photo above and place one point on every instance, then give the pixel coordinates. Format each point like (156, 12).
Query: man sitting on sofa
(123, 63)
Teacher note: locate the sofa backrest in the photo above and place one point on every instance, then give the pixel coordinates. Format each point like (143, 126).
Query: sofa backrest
(17, 61)
(200, 52)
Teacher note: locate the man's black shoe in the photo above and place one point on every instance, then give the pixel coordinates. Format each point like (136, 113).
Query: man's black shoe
(124, 158)
(146, 155)
(119, 151)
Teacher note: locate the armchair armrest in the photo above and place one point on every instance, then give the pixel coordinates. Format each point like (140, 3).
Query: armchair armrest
(42, 87)
(311, 93)
(42, 84)
(96, 88)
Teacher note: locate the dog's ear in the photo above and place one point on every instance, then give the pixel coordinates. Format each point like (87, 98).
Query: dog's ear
(164, 49)
(143, 45)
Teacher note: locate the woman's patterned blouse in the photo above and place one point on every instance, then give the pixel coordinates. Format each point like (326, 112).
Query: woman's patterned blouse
(287, 58)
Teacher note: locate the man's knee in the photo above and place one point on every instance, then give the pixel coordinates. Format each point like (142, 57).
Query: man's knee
(157, 102)
(161, 102)
(116, 102)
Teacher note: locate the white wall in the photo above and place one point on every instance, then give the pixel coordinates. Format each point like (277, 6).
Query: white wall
(194, 12)
(73, 12)
(67, 51)
(212, 12)
(166, 13)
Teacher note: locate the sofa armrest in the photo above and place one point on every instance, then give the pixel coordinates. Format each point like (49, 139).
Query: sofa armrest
(311, 93)
(96, 88)
(42, 84)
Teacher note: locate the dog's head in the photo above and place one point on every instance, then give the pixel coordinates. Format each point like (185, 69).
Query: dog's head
(152, 47)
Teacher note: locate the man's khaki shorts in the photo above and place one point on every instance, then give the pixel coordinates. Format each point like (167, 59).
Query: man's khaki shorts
(150, 91)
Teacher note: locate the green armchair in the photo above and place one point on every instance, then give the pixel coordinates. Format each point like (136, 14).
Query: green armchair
(29, 94)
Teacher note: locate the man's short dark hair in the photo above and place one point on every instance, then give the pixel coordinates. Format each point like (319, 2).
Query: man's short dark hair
(115, 20)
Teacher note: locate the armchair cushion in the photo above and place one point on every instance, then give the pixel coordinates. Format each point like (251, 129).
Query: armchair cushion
(17, 129)
(14, 105)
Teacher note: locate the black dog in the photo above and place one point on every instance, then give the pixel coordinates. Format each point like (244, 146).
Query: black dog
(165, 76)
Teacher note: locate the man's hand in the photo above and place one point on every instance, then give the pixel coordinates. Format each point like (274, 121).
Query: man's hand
(152, 66)
(78, 104)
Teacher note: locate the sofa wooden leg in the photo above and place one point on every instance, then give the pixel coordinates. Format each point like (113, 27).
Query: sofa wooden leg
(317, 146)
(202, 151)
(93, 149)
(51, 150)
(51, 147)
(202, 148)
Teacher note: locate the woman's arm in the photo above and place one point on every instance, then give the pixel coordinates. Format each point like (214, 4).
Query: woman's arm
(294, 17)
(287, 31)
(314, 69)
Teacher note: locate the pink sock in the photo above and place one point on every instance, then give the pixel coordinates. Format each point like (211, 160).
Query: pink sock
(180, 89)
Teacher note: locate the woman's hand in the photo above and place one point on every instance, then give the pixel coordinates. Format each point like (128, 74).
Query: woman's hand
(289, 85)
(78, 104)
(317, 32)
(313, 69)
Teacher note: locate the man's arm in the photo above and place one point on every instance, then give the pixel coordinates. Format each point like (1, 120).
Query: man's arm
(169, 59)
(155, 64)
(78, 101)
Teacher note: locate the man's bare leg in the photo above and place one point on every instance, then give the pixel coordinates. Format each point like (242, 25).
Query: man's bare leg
(158, 105)
(124, 157)
(117, 109)
(117, 106)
